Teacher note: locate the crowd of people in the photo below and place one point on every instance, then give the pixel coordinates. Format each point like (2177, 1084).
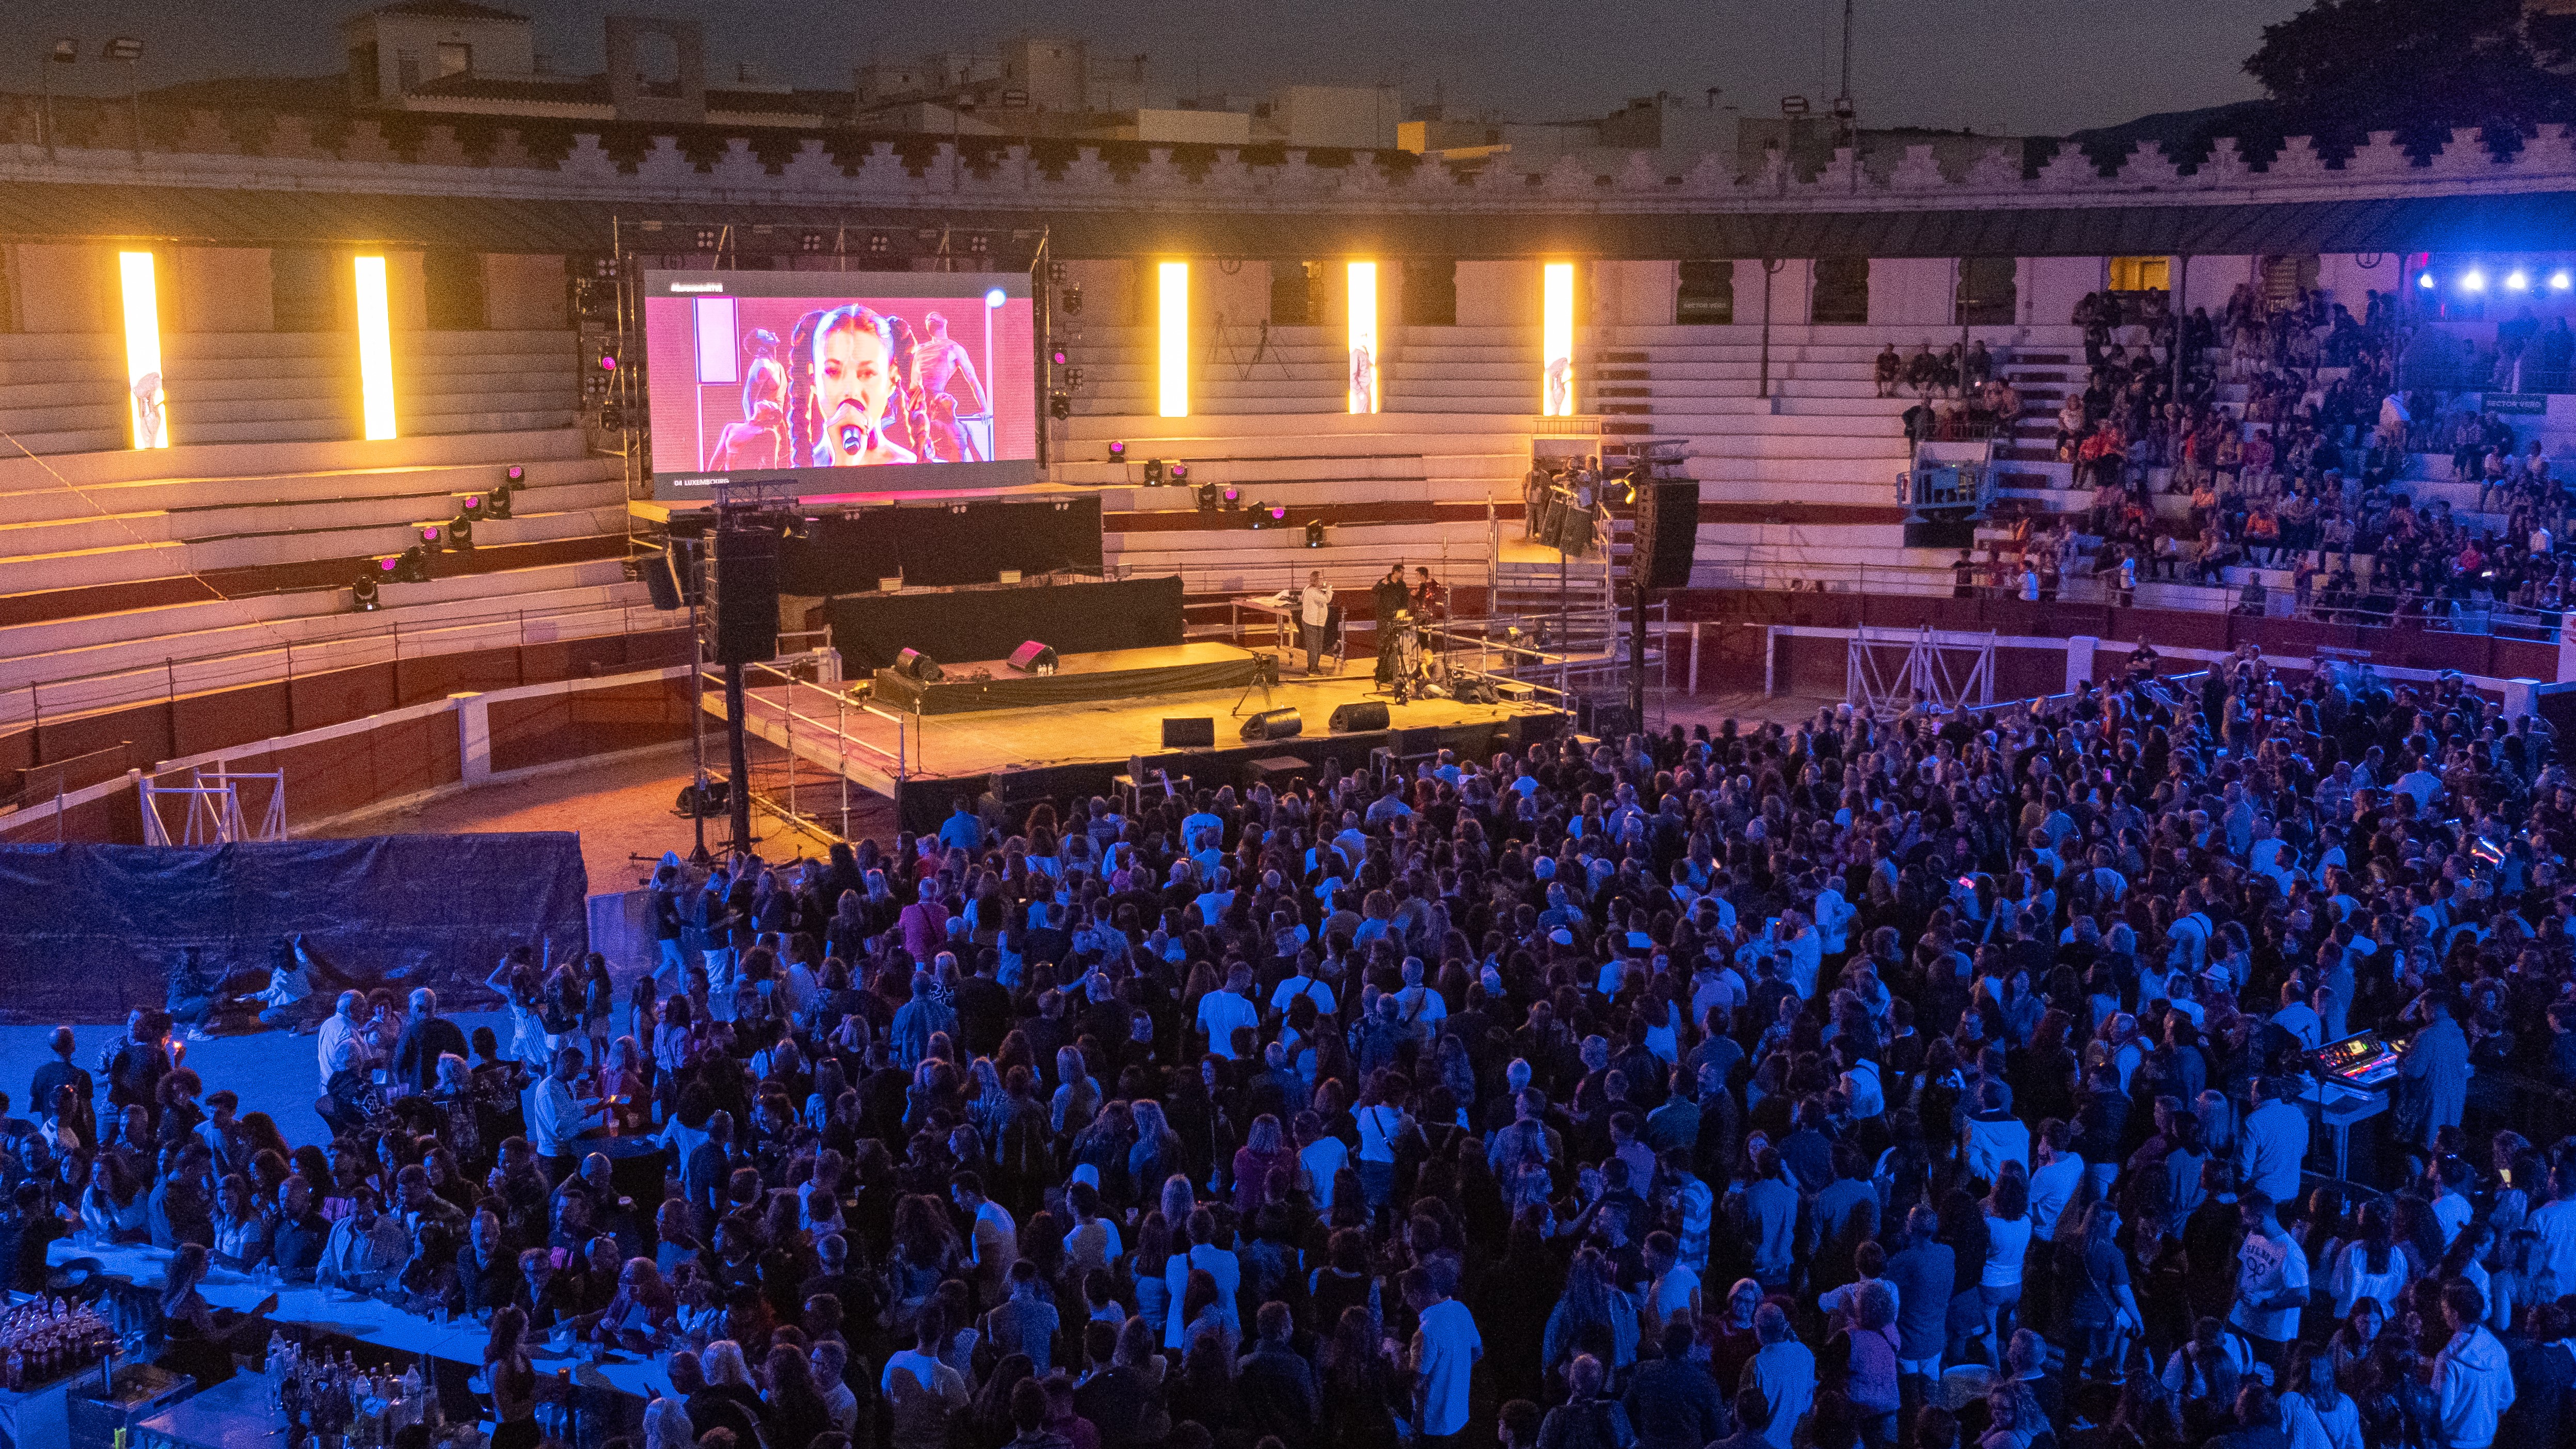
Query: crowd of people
(1911, 1084)
(2304, 473)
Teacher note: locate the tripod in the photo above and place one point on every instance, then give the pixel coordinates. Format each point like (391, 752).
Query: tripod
(1265, 674)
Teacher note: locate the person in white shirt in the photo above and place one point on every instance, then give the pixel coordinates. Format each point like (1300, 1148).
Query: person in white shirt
(340, 1044)
(1314, 617)
(366, 1248)
(557, 1118)
(1220, 1012)
(2271, 1277)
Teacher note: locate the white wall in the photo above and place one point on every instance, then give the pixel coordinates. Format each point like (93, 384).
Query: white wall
(1789, 293)
(2213, 279)
(2347, 281)
(1913, 291)
(1633, 294)
(2051, 286)
(1501, 294)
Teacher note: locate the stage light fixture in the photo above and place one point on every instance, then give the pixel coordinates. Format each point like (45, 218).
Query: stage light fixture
(460, 534)
(1314, 533)
(412, 567)
(1034, 658)
(993, 299)
(2517, 280)
(1180, 473)
(2424, 280)
(2559, 280)
(1073, 301)
(1118, 452)
(1363, 351)
(918, 667)
(1172, 359)
(1234, 498)
(1059, 406)
(123, 47)
(1055, 273)
(1153, 472)
(1556, 340)
(879, 243)
(433, 536)
(2473, 280)
(1073, 378)
(147, 407)
(363, 590)
(813, 241)
(496, 504)
(1278, 514)
(608, 358)
(1056, 357)
(375, 349)
(471, 508)
(1209, 498)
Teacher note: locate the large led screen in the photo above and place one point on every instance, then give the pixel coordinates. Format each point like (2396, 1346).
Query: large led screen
(849, 382)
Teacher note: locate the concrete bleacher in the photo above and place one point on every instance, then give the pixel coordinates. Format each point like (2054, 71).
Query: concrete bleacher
(127, 575)
(64, 392)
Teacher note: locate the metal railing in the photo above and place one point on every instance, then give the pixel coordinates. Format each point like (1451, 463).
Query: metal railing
(828, 741)
(37, 701)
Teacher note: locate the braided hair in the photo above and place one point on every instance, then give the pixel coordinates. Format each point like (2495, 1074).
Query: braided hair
(903, 400)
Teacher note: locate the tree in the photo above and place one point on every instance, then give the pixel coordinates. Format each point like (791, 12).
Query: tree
(2343, 68)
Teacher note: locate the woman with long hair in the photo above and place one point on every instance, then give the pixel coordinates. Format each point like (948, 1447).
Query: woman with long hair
(1357, 1383)
(512, 1380)
(2008, 1234)
(1593, 1317)
(926, 1251)
(2314, 1409)
(1265, 1151)
(2370, 1266)
(851, 389)
(797, 1413)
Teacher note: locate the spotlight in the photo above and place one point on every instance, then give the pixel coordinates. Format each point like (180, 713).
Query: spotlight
(1180, 474)
(514, 476)
(472, 508)
(2424, 280)
(1056, 357)
(1278, 514)
(496, 504)
(2559, 280)
(1233, 498)
(1118, 452)
(608, 359)
(2517, 280)
(1055, 273)
(1073, 378)
(2473, 280)
(994, 298)
(364, 590)
(413, 566)
(1314, 533)
(460, 534)
(1059, 405)
(1073, 301)
(1209, 498)
(1153, 472)
(918, 667)
(433, 536)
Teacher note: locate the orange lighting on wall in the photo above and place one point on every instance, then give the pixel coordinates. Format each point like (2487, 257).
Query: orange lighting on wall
(145, 407)
(375, 349)
(1173, 357)
(1363, 337)
(1556, 340)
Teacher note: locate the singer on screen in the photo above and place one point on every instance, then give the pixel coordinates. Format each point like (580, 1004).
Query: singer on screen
(851, 375)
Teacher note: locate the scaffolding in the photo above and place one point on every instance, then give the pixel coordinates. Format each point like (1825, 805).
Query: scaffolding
(1937, 672)
(211, 809)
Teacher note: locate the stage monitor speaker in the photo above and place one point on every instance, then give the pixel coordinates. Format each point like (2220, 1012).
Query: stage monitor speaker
(743, 618)
(1189, 734)
(1667, 534)
(661, 581)
(689, 565)
(1276, 771)
(1364, 714)
(1033, 658)
(1274, 724)
(918, 667)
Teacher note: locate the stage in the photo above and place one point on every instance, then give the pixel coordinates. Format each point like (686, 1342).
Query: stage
(923, 763)
(1111, 674)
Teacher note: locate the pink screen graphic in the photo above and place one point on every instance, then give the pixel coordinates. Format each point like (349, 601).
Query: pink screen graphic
(743, 384)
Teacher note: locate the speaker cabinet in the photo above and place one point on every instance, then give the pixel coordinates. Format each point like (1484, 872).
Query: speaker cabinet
(1364, 714)
(1189, 734)
(744, 617)
(1274, 724)
(1667, 534)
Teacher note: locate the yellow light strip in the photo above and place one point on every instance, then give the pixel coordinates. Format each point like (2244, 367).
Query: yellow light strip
(1364, 349)
(1556, 341)
(1175, 354)
(375, 349)
(145, 407)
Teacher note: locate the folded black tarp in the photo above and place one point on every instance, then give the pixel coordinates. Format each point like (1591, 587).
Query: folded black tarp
(89, 931)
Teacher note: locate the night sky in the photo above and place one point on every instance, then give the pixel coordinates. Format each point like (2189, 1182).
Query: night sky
(2034, 67)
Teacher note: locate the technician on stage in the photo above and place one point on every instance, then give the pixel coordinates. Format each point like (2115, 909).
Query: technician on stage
(1314, 616)
(1393, 598)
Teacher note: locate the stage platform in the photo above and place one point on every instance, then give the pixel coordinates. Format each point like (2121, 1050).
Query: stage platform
(1111, 674)
(923, 763)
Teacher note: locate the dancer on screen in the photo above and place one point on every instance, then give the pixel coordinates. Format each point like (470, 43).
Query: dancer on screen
(852, 378)
(759, 440)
